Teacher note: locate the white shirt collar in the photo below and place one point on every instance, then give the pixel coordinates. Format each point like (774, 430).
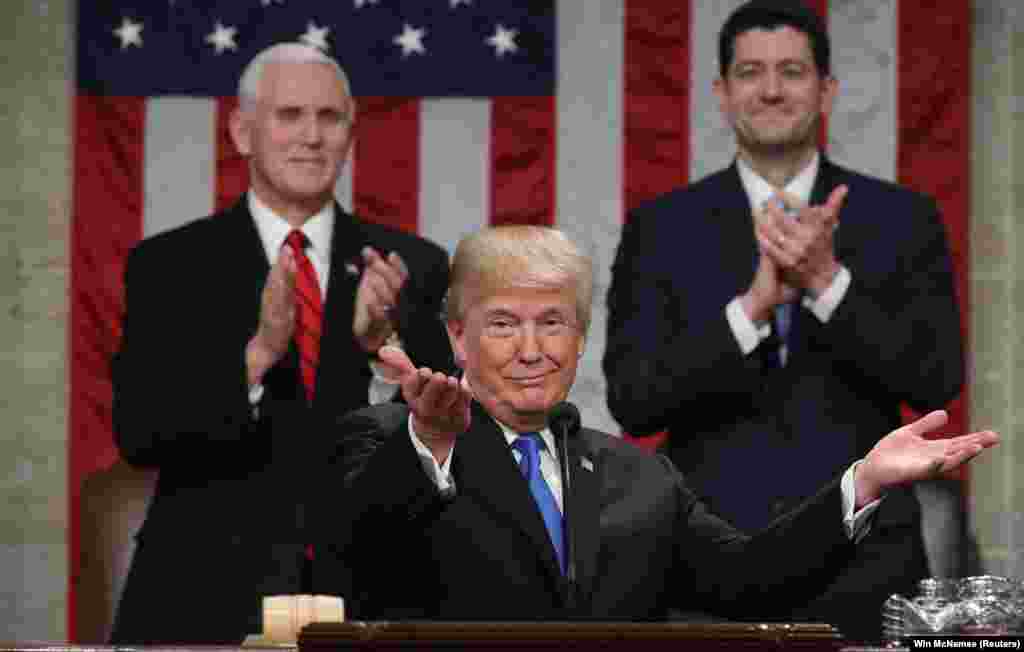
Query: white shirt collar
(273, 229)
(545, 434)
(759, 190)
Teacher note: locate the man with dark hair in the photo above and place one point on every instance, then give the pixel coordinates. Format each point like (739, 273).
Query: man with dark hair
(772, 15)
(774, 316)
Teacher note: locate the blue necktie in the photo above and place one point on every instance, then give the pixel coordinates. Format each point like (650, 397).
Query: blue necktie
(783, 319)
(529, 444)
(783, 311)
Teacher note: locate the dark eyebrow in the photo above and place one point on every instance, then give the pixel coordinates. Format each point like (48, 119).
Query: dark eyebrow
(762, 62)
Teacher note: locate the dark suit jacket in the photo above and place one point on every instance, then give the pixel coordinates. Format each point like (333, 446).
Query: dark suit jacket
(643, 543)
(227, 522)
(672, 362)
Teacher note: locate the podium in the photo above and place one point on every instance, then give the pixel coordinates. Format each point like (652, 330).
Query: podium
(323, 637)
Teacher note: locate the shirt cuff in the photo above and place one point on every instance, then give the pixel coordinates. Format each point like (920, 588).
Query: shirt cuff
(748, 334)
(439, 474)
(255, 395)
(826, 303)
(858, 524)
(382, 388)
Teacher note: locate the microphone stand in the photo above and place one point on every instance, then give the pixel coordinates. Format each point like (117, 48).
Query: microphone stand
(570, 539)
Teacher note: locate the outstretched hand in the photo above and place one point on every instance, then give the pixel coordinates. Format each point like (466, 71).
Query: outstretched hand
(439, 403)
(905, 456)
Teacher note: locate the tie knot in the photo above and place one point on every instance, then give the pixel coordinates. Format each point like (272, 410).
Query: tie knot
(783, 205)
(529, 445)
(529, 440)
(297, 240)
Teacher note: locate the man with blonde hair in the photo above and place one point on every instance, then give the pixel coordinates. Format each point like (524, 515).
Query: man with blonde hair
(484, 499)
(244, 332)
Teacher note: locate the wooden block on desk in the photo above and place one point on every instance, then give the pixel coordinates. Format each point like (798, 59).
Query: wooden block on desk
(285, 615)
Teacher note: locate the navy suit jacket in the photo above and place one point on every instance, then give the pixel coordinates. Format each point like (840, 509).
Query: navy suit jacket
(754, 440)
(398, 549)
(233, 485)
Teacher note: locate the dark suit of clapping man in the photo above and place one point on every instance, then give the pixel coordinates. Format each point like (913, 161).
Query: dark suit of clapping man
(438, 516)
(244, 332)
(774, 316)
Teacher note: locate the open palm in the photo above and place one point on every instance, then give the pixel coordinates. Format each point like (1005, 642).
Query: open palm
(439, 403)
(905, 455)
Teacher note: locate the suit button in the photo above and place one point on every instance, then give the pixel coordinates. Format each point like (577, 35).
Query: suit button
(778, 507)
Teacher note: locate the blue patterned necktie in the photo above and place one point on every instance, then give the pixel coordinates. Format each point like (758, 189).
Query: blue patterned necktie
(783, 319)
(529, 445)
(783, 311)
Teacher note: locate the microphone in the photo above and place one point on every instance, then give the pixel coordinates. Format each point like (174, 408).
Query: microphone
(564, 421)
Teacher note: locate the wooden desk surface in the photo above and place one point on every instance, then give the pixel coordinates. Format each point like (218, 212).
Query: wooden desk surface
(322, 637)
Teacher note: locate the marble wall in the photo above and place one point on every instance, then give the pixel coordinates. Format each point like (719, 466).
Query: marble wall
(997, 271)
(35, 200)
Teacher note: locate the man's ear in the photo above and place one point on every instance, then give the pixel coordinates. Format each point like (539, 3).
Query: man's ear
(456, 337)
(721, 90)
(829, 91)
(241, 134)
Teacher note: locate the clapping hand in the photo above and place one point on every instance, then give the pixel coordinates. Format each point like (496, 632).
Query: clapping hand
(277, 318)
(373, 319)
(801, 244)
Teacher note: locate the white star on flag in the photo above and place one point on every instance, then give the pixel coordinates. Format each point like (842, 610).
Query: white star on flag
(222, 38)
(130, 33)
(456, 3)
(360, 3)
(503, 41)
(267, 3)
(316, 36)
(411, 40)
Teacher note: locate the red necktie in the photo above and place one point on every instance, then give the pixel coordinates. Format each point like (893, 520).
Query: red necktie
(308, 312)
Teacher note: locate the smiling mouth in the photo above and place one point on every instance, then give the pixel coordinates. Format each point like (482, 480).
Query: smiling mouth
(531, 381)
(772, 115)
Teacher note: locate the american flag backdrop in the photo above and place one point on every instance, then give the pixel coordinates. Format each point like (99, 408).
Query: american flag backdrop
(471, 112)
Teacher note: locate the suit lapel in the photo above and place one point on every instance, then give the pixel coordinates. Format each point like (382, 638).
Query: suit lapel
(337, 344)
(829, 177)
(486, 470)
(249, 266)
(584, 514)
(734, 224)
(824, 183)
